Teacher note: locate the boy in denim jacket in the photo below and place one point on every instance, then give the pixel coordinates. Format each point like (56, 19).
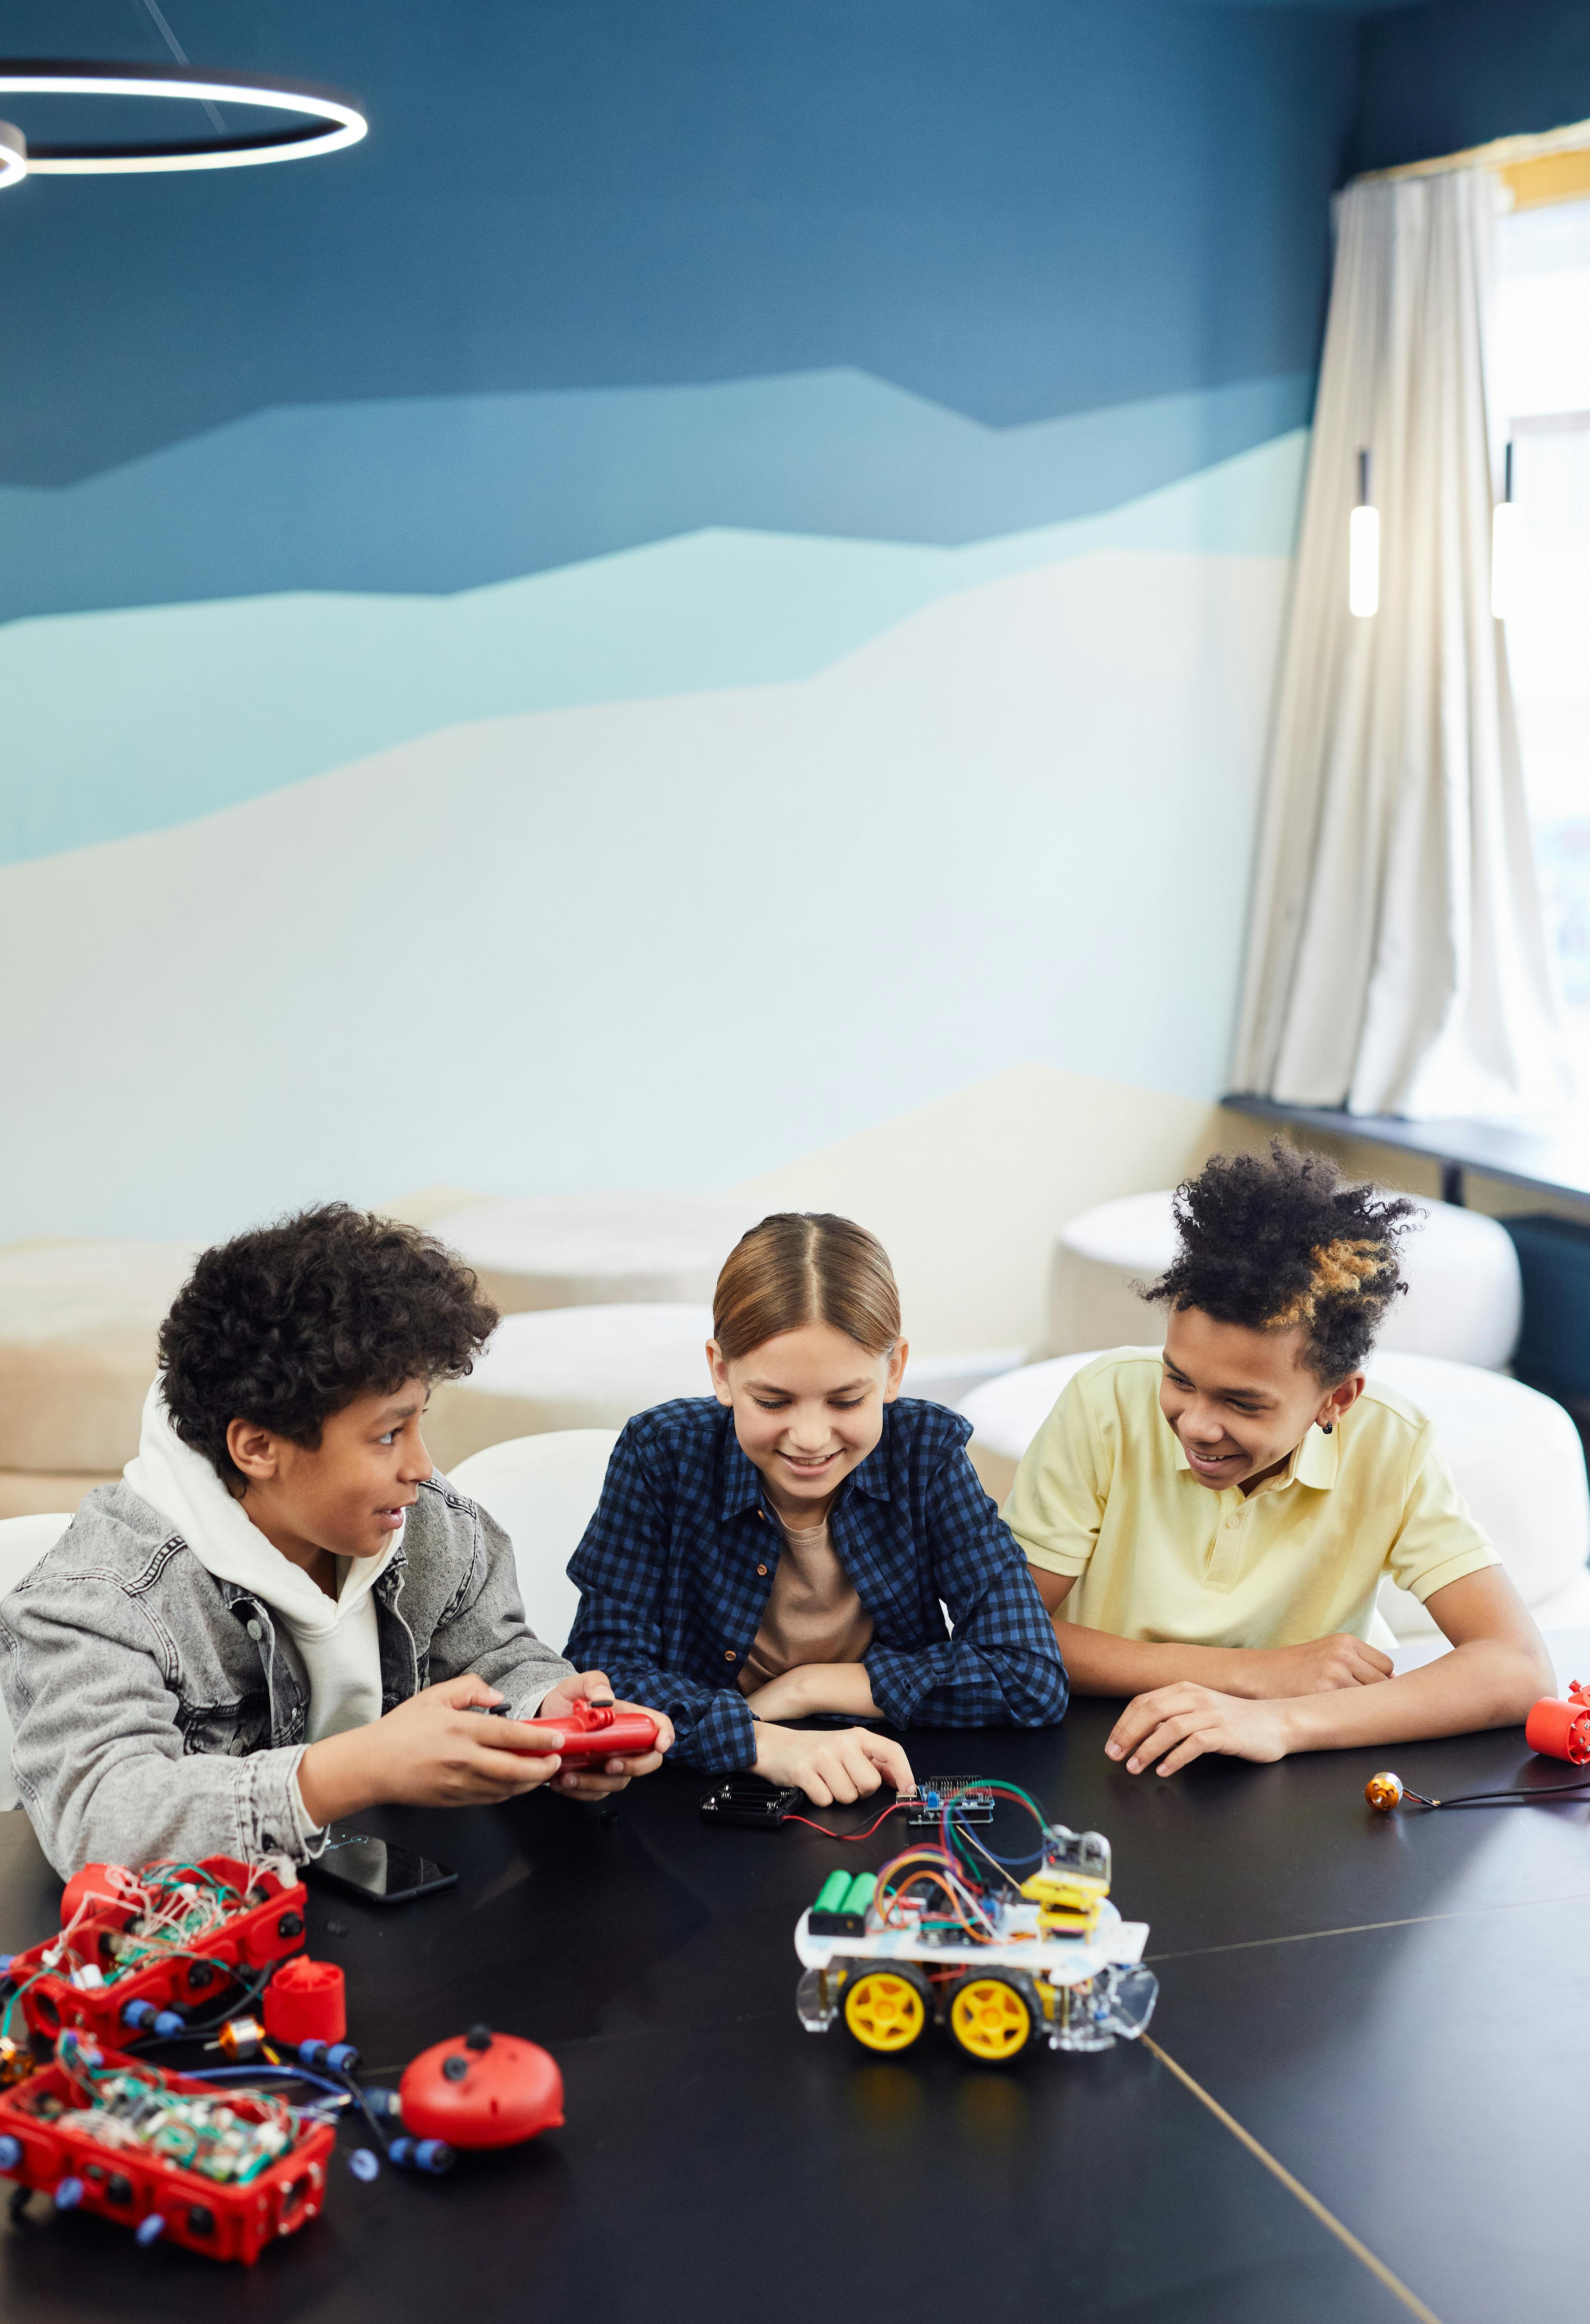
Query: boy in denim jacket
(282, 1615)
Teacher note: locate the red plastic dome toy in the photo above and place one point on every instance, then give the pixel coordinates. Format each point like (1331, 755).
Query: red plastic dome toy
(482, 2090)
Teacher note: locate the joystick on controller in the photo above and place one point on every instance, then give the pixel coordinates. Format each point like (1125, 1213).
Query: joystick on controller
(485, 2089)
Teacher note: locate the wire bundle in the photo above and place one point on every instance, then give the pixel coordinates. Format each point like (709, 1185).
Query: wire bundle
(953, 1869)
(172, 1907)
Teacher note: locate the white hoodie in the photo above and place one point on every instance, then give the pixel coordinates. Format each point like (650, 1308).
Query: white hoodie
(336, 1637)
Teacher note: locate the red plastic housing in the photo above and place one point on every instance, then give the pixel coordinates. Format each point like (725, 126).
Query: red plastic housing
(1561, 1728)
(120, 2184)
(306, 2001)
(496, 2095)
(590, 1733)
(245, 1943)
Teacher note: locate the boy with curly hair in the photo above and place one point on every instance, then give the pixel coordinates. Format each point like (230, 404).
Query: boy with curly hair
(282, 1615)
(1208, 1527)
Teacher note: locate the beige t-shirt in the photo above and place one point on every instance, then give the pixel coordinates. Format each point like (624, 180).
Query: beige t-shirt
(812, 1615)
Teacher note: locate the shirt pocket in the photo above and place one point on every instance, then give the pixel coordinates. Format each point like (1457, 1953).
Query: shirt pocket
(228, 1730)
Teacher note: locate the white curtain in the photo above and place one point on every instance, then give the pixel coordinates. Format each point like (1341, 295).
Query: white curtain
(1397, 960)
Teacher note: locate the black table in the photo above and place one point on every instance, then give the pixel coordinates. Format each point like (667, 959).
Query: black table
(1394, 2011)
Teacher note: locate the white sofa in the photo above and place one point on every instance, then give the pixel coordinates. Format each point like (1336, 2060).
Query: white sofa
(543, 1491)
(588, 1251)
(564, 1367)
(22, 1543)
(1516, 1455)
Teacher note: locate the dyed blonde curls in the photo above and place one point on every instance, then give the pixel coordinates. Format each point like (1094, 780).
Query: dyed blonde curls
(804, 1266)
(1342, 1269)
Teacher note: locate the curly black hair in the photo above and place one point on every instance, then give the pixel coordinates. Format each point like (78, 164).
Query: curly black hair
(285, 1325)
(1269, 1241)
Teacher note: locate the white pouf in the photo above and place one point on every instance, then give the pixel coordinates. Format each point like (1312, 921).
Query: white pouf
(582, 1251)
(570, 1368)
(1516, 1456)
(23, 1541)
(1465, 1297)
(77, 1326)
(543, 1491)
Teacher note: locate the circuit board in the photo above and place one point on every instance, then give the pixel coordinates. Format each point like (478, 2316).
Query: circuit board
(973, 1802)
(224, 2171)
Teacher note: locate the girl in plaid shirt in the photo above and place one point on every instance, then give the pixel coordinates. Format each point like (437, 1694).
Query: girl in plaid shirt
(788, 1547)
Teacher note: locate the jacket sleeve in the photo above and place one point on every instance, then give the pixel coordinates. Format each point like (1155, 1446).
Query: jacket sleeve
(97, 1753)
(483, 1628)
(620, 1569)
(1001, 1667)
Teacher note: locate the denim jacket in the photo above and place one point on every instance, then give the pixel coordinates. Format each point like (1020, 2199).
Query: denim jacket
(160, 1712)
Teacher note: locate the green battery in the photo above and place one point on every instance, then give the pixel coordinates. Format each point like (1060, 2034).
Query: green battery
(861, 1892)
(830, 1896)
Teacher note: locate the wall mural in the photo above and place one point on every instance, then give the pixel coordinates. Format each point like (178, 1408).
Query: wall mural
(565, 786)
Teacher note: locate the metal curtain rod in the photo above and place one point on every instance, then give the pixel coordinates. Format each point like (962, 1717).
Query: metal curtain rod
(1501, 153)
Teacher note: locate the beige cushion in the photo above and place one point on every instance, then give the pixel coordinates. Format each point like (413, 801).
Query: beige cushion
(1465, 1297)
(570, 1368)
(582, 1251)
(28, 1492)
(78, 1327)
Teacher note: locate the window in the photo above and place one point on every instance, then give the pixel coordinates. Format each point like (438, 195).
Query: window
(1543, 366)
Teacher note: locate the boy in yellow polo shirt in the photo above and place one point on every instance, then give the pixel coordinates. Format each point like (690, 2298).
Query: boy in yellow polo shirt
(1208, 1529)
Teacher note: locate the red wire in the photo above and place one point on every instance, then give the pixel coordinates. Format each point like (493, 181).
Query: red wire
(867, 1834)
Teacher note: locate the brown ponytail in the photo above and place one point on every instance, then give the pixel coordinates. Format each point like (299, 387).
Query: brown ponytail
(804, 1266)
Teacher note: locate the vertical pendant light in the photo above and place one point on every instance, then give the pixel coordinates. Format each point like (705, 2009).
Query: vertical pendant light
(1504, 547)
(1364, 549)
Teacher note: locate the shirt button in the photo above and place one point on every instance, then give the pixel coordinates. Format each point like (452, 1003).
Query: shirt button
(729, 1654)
(257, 1631)
(762, 1569)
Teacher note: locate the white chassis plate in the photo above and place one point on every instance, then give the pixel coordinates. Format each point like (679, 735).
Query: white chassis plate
(1062, 1961)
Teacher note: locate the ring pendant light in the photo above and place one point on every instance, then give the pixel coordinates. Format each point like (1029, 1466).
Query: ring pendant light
(336, 119)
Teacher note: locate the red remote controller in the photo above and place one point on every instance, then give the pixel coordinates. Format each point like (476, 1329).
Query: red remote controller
(594, 1730)
(487, 2090)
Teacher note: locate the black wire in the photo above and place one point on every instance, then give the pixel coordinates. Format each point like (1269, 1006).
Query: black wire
(1520, 1796)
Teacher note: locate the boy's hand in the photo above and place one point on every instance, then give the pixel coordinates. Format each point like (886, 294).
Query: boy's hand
(584, 1782)
(834, 1768)
(431, 1752)
(1319, 1666)
(1186, 1720)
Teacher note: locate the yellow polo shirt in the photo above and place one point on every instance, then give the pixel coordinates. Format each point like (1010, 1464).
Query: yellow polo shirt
(1106, 1492)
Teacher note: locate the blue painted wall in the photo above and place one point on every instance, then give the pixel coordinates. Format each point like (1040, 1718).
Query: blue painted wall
(813, 479)
(1453, 73)
(1015, 208)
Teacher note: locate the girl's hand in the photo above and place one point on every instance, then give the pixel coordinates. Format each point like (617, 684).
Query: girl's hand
(587, 1782)
(832, 1769)
(1185, 1721)
(811, 1687)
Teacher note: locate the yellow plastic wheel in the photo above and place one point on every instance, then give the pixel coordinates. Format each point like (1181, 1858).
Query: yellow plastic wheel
(994, 2019)
(887, 2008)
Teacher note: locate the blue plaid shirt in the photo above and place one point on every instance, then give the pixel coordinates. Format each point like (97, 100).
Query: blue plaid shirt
(677, 1564)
